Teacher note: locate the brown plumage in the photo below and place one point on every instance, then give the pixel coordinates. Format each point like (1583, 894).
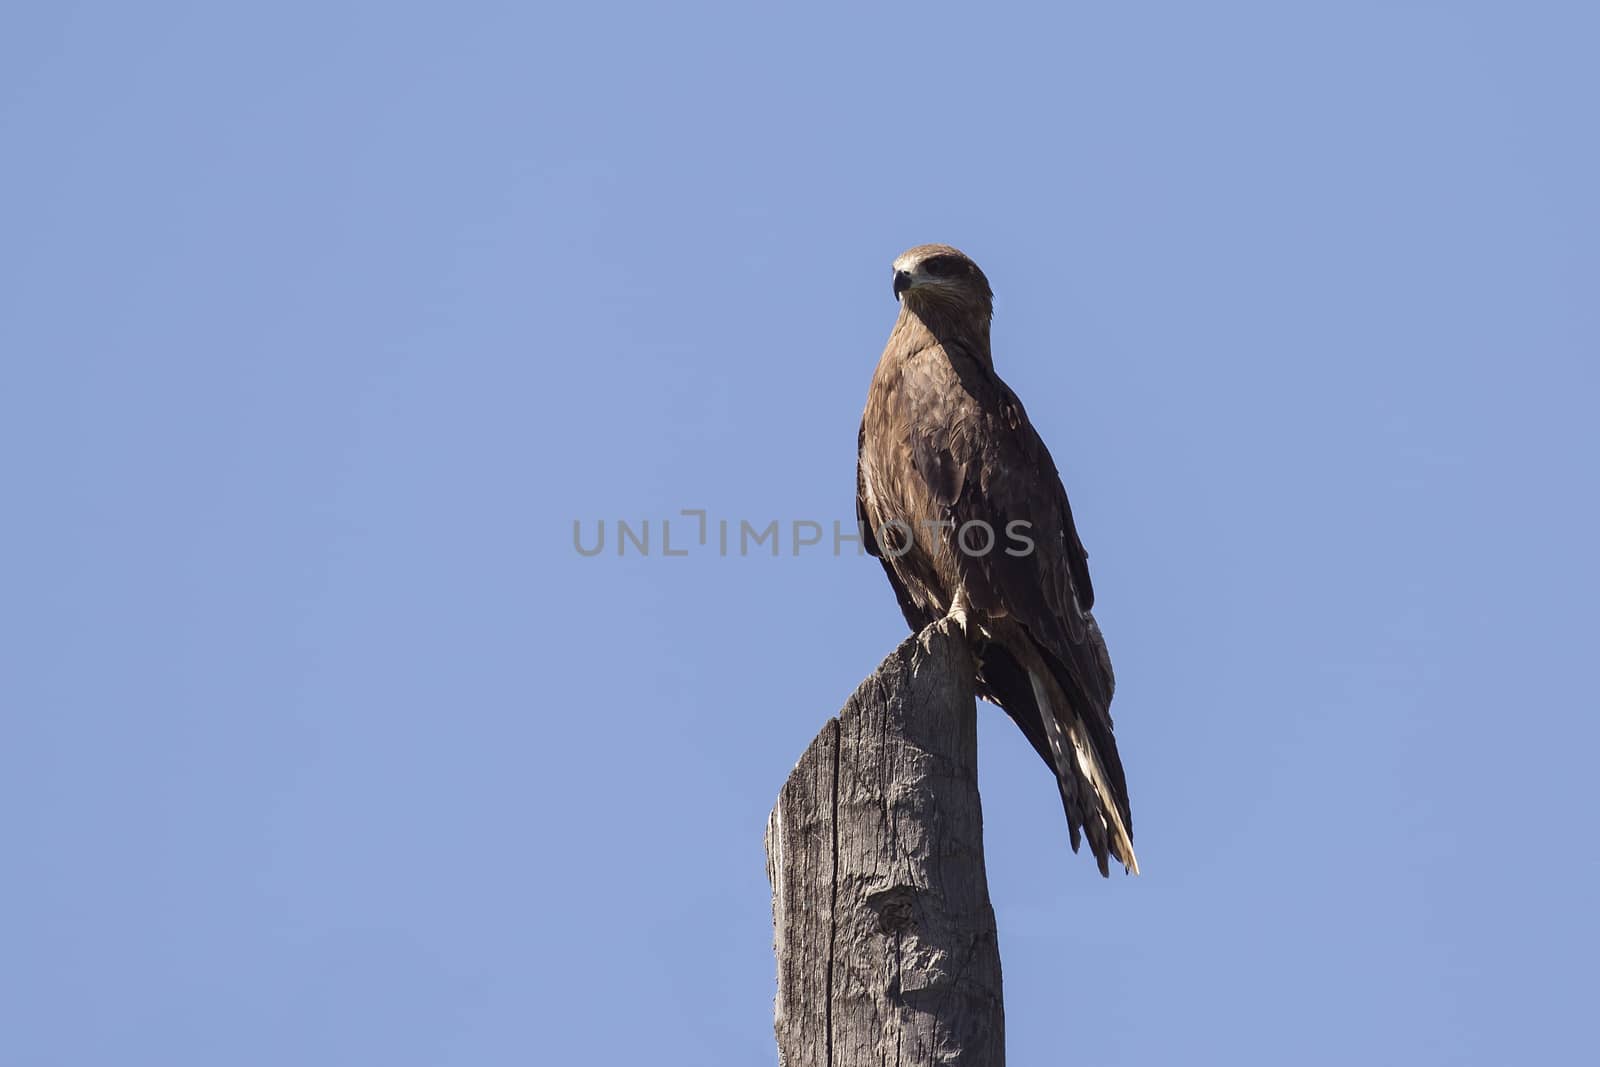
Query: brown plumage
(946, 453)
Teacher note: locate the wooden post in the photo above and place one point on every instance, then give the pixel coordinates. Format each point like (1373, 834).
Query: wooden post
(883, 930)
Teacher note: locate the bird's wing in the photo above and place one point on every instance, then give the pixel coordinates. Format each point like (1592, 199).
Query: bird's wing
(916, 617)
(983, 462)
(975, 450)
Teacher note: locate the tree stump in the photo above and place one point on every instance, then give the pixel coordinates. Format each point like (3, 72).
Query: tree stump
(884, 933)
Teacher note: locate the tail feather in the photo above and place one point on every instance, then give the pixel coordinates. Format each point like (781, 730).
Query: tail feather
(1087, 791)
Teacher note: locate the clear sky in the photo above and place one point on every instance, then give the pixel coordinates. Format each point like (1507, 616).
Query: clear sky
(322, 323)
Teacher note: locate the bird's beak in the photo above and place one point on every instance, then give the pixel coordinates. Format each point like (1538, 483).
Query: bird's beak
(902, 282)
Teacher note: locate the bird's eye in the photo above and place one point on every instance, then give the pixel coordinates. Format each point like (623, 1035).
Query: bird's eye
(941, 266)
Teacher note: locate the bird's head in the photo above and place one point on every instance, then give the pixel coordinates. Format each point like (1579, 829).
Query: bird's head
(935, 277)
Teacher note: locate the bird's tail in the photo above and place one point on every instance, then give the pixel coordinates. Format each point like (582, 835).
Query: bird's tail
(1088, 792)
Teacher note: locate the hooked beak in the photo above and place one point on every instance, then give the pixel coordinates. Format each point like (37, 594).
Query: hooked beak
(902, 282)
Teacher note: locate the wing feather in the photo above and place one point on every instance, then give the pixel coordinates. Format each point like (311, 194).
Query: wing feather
(976, 449)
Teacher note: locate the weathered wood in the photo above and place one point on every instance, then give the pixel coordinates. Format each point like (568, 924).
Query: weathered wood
(883, 929)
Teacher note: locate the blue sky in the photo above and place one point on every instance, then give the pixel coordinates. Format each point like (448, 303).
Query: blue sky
(323, 323)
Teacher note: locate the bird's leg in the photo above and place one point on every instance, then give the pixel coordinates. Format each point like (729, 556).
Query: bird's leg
(973, 631)
(959, 608)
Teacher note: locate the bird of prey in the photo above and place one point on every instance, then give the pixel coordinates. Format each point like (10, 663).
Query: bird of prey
(948, 465)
